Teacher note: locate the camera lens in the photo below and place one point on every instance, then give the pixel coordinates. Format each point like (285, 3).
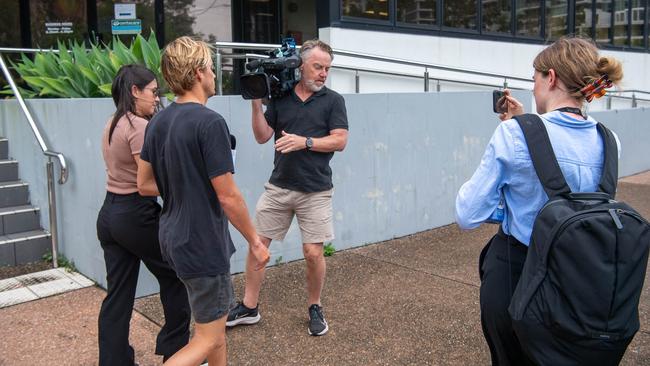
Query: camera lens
(254, 86)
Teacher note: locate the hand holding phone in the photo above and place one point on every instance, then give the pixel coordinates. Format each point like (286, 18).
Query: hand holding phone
(499, 102)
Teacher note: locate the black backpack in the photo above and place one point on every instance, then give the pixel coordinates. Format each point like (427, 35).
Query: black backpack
(577, 300)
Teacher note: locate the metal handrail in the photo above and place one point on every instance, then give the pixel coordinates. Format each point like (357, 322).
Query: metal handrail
(262, 46)
(27, 50)
(54, 230)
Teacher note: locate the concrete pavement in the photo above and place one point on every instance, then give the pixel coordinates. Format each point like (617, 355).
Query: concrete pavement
(408, 301)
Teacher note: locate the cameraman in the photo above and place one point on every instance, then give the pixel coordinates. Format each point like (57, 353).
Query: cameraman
(309, 125)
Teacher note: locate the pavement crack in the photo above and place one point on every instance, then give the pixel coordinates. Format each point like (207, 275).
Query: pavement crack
(417, 270)
(149, 318)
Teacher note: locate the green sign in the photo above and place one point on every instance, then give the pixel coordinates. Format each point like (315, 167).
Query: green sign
(126, 26)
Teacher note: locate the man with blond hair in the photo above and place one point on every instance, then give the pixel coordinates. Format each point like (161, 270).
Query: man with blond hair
(187, 153)
(309, 125)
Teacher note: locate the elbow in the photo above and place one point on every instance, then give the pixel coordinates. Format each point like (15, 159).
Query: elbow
(342, 144)
(227, 202)
(462, 223)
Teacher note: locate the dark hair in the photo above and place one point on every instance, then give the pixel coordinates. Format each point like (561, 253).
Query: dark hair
(127, 76)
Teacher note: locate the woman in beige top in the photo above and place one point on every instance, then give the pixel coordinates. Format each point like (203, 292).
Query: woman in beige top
(127, 226)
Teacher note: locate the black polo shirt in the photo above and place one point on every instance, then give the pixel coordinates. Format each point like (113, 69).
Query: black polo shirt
(305, 170)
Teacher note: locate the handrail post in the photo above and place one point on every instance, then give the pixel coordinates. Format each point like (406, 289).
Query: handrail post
(51, 197)
(609, 102)
(426, 79)
(356, 81)
(219, 72)
(634, 104)
(505, 83)
(438, 85)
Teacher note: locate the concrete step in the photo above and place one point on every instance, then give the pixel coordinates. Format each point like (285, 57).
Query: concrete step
(24, 247)
(14, 193)
(4, 148)
(17, 219)
(8, 170)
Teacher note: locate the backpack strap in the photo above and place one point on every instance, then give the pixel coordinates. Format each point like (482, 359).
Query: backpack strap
(609, 177)
(541, 152)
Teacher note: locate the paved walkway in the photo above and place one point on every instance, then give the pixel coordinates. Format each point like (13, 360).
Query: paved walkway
(408, 301)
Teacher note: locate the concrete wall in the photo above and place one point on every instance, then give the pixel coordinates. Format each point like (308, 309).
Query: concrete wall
(406, 158)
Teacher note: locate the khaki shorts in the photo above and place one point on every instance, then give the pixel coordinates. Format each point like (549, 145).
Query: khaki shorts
(276, 207)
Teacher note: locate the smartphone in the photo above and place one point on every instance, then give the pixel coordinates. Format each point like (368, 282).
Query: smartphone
(499, 104)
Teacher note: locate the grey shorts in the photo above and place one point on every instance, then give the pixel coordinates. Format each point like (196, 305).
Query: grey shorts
(210, 297)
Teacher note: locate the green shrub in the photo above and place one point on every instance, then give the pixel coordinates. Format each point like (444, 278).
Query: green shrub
(328, 250)
(61, 261)
(77, 72)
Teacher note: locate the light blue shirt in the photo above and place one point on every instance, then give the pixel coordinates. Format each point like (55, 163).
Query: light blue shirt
(506, 167)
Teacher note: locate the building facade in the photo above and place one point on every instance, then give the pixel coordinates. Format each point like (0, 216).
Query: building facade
(499, 36)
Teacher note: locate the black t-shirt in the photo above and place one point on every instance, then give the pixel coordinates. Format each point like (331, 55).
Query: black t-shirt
(305, 170)
(188, 144)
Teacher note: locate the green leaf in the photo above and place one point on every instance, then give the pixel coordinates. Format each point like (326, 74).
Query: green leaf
(90, 75)
(136, 49)
(105, 88)
(63, 52)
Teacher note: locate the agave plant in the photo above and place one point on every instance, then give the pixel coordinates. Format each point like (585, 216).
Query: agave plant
(77, 72)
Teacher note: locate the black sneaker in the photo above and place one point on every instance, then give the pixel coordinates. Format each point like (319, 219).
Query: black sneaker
(241, 314)
(317, 323)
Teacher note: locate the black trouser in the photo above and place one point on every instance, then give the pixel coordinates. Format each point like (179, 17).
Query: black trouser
(500, 266)
(127, 228)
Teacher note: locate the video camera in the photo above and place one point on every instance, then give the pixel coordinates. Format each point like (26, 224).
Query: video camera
(272, 77)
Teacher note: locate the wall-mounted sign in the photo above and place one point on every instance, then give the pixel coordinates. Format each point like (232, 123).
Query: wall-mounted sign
(58, 28)
(124, 11)
(131, 26)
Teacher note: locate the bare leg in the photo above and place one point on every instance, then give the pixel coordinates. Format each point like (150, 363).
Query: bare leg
(254, 279)
(315, 271)
(209, 342)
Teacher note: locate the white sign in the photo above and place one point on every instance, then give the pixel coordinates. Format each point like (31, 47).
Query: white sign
(58, 28)
(124, 11)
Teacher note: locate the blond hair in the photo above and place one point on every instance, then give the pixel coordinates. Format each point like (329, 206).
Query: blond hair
(576, 62)
(179, 62)
(308, 46)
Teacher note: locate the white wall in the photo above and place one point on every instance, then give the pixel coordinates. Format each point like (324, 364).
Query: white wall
(514, 59)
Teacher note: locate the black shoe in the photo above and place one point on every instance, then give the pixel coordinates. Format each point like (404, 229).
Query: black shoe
(317, 323)
(240, 314)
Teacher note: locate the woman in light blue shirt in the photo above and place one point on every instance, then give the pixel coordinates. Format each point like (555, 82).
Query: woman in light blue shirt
(567, 74)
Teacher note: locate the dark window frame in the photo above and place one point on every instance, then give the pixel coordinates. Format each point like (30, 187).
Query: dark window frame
(434, 27)
(337, 19)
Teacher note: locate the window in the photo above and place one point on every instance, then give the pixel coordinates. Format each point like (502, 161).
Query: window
(421, 12)
(57, 20)
(638, 23)
(583, 18)
(10, 30)
(368, 9)
(144, 10)
(460, 14)
(528, 13)
(603, 22)
(556, 19)
(208, 20)
(621, 26)
(496, 16)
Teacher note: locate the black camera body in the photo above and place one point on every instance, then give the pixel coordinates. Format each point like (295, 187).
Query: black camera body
(272, 77)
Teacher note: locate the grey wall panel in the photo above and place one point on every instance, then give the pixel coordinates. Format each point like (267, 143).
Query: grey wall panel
(631, 126)
(406, 157)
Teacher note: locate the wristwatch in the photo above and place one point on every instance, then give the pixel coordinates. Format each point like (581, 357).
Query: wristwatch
(309, 143)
